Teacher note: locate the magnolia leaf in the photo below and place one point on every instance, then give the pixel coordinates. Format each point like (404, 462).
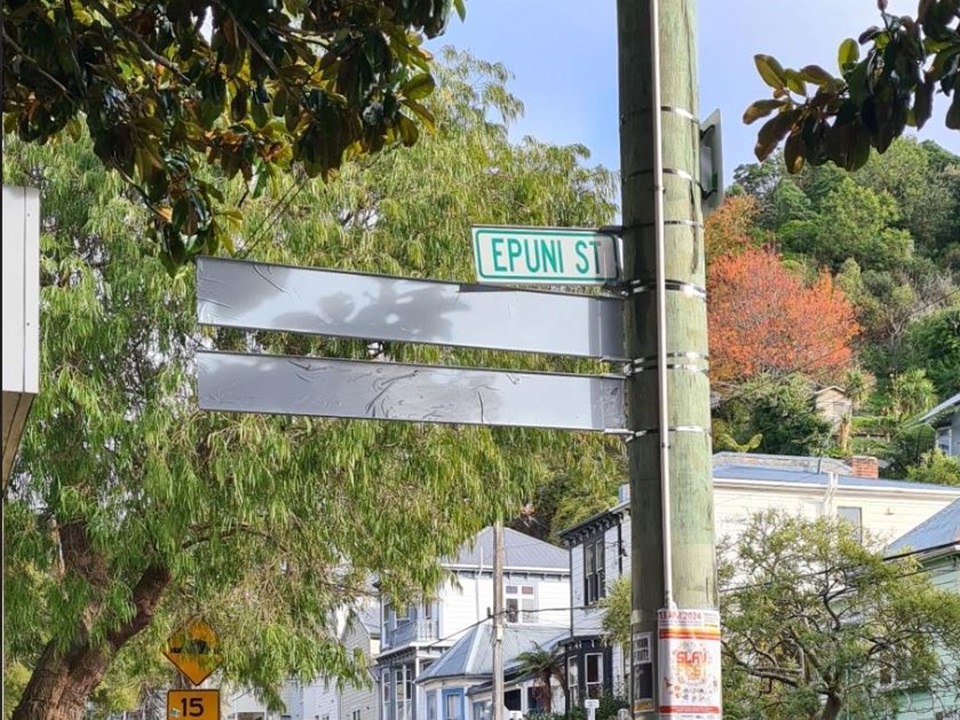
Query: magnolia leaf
(771, 71)
(761, 108)
(848, 53)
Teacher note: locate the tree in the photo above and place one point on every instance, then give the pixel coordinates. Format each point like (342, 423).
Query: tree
(775, 415)
(545, 665)
(129, 510)
(937, 468)
(616, 616)
(764, 319)
(254, 87)
(907, 62)
(731, 228)
(817, 624)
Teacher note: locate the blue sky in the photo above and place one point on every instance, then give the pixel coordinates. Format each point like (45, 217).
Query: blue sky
(563, 56)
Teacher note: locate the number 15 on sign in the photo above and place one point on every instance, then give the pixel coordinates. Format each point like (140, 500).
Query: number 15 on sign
(193, 704)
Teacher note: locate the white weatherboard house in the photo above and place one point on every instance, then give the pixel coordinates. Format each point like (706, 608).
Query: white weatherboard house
(403, 643)
(742, 484)
(936, 543)
(536, 593)
(325, 699)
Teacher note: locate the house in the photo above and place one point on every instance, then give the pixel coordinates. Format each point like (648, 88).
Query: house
(413, 638)
(743, 485)
(459, 686)
(937, 543)
(945, 419)
(833, 405)
(326, 698)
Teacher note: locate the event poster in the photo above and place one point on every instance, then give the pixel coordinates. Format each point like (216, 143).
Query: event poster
(689, 664)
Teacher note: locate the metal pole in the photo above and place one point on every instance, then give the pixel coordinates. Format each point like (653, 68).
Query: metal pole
(499, 553)
(673, 558)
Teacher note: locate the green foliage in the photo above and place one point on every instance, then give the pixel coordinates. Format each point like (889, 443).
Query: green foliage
(781, 411)
(259, 88)
(617, 607)
(933, 343)
(15, 677)
(937, 468)
(545, 665)
(820, 117)
(130, 510)
(610, 705)
(814, 619)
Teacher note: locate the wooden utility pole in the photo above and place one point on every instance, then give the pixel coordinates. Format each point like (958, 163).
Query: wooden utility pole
(499, 557)
(673, 553)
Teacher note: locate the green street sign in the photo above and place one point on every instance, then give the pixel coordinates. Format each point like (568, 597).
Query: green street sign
(543, 256)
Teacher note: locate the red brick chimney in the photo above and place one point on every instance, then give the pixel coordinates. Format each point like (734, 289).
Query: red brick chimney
(865, 466)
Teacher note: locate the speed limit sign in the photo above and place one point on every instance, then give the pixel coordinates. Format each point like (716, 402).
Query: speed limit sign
(193, 705)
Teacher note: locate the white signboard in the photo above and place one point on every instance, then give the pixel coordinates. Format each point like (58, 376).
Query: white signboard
(689, 663)
(544, 256)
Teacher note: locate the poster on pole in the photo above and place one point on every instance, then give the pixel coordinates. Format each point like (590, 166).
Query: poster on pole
(643, 672)
(689, 664)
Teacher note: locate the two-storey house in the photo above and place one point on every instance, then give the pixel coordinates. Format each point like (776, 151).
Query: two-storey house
(325, 698)
(936, 543)
(536, 592)
(743, 484)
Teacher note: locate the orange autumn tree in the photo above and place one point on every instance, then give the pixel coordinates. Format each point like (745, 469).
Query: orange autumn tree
(731, 228)
(765, 319)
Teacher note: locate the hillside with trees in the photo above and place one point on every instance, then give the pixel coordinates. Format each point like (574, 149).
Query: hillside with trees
(831, 278)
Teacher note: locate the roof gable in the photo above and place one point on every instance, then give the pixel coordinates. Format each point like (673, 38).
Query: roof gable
(523, 552)
(937, 531)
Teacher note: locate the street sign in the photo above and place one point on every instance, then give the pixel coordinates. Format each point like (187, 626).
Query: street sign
(258, 296)
(544, 256)
(328, 387)
(193, 705)
(192, 648)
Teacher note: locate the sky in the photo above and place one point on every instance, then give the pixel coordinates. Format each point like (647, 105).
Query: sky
(563, 55)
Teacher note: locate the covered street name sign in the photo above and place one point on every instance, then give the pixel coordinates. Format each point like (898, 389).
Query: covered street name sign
(330, 387)
(258, 296)
(546, 256)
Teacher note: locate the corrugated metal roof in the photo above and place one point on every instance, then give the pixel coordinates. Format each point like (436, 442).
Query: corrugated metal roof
(809, 463)
(802, 477)
(934, 532)
(948, 403)
(472, 654)
(523, 552)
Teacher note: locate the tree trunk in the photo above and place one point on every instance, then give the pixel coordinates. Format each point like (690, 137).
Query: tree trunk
(62, 681)
(831, 709)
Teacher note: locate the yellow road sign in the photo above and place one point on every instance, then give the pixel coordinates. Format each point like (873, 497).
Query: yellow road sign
(193, 650)
(193, 705)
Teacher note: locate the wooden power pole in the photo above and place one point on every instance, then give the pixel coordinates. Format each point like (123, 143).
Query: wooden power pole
(499, 558)
(673, 552)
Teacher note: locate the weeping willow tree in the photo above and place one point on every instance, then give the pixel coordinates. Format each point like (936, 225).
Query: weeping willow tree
(130, 510)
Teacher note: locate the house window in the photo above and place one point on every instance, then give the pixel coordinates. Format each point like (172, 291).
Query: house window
(512, 700)
(533, 700)
(453, 702)
(593, 575)
(432, 705)
(521, 603)
(945, 440)
(594, 684)
(480, 710)
(854, 516)
(355, 715)
(403, 691)
(573, 681)
(407, 613)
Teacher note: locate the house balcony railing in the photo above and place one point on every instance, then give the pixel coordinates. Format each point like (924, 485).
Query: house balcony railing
(413, 631)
